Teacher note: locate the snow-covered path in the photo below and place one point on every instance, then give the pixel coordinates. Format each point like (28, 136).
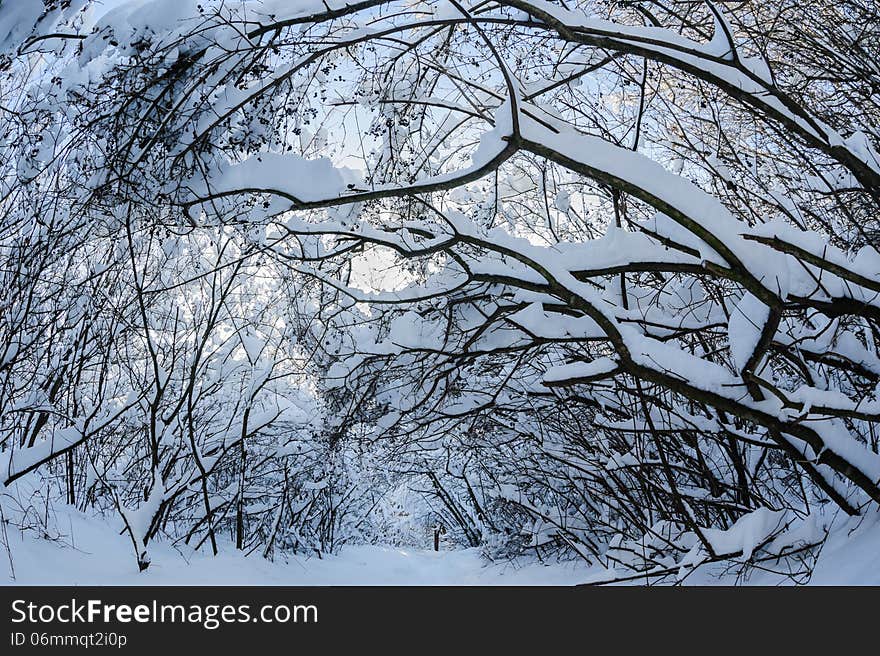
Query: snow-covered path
(98, 556)
(93, 554)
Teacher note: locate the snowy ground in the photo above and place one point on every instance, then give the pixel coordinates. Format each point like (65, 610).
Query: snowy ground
(95, 555)
(98, 556)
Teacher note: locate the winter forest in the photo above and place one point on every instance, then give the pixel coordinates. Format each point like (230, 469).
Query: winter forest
(578, 284)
